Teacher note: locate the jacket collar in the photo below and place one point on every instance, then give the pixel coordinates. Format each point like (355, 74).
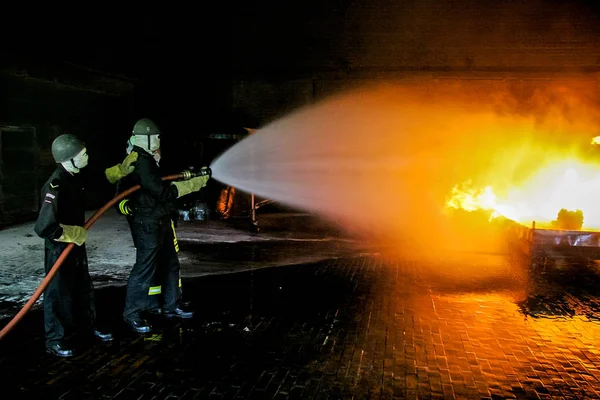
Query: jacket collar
(63, 173)
(141, 152)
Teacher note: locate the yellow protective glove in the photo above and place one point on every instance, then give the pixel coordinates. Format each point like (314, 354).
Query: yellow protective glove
(73, 234)
(117, 172)
(192, 185)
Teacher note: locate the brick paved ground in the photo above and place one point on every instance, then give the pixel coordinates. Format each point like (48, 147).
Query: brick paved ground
(358, 327)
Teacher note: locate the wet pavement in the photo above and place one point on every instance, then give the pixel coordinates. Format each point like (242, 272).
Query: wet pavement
(360, 325)
(285, 239)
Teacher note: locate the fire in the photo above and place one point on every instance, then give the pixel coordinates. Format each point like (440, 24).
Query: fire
(468, 198)
(570, 184)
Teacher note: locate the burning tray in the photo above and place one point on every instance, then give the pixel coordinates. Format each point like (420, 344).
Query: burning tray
(543, 245)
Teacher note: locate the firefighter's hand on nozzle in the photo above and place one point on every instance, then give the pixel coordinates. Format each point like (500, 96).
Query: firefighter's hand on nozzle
(191, 185)
(73, 234)
(202, 180)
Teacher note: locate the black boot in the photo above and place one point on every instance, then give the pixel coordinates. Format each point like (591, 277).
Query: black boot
(138, 325)
(105, 337)
(59, 350)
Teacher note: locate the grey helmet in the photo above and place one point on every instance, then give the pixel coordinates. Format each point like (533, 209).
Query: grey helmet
(145, 126)
(65, 147)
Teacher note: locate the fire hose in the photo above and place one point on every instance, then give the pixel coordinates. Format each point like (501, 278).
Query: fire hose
(185, 175)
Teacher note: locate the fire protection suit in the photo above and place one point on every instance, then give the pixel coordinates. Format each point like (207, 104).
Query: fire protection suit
(69, 298)
(124, 208)
(153, 236)
(152, 230)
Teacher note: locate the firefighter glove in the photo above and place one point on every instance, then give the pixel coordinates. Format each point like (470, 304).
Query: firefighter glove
(73, 234)
(117, 172)
(192, 185)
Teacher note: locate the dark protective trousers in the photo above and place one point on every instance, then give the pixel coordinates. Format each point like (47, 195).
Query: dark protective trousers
(156, 264)
(155, 299)
(69, 303)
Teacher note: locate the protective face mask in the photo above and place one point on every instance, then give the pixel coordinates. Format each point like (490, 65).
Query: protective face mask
(81, 159)
(77, 163)
(149, 145)
(154, 142)
(130, 143)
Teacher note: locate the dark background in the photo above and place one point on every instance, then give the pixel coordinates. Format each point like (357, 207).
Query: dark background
(205, 71)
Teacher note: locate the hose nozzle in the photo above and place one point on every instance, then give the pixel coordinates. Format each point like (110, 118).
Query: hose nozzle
(205, 171)
(187, 174)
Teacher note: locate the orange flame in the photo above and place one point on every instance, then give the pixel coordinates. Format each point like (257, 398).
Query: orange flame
(569, 184)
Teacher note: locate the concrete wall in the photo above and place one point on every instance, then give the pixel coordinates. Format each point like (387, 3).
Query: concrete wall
(263, 101)
(510, 91)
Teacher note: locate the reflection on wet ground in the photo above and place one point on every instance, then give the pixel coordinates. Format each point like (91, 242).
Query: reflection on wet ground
(358, 326)
(200, 259)
(197, 258)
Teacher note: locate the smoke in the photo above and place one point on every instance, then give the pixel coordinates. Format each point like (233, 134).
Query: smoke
(501, 35)
(382, 160)
(569, 220)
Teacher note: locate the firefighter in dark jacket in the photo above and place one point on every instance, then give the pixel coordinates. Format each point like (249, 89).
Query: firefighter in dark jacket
(152, 231)
(124, 208)
(69, 298)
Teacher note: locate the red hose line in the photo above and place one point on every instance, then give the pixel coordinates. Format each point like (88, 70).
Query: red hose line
(36, 295)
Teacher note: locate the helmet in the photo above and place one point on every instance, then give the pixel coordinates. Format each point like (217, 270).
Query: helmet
(145, 126)
(65, 147)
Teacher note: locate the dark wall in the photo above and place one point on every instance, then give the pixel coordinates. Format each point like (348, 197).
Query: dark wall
(188, 108)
